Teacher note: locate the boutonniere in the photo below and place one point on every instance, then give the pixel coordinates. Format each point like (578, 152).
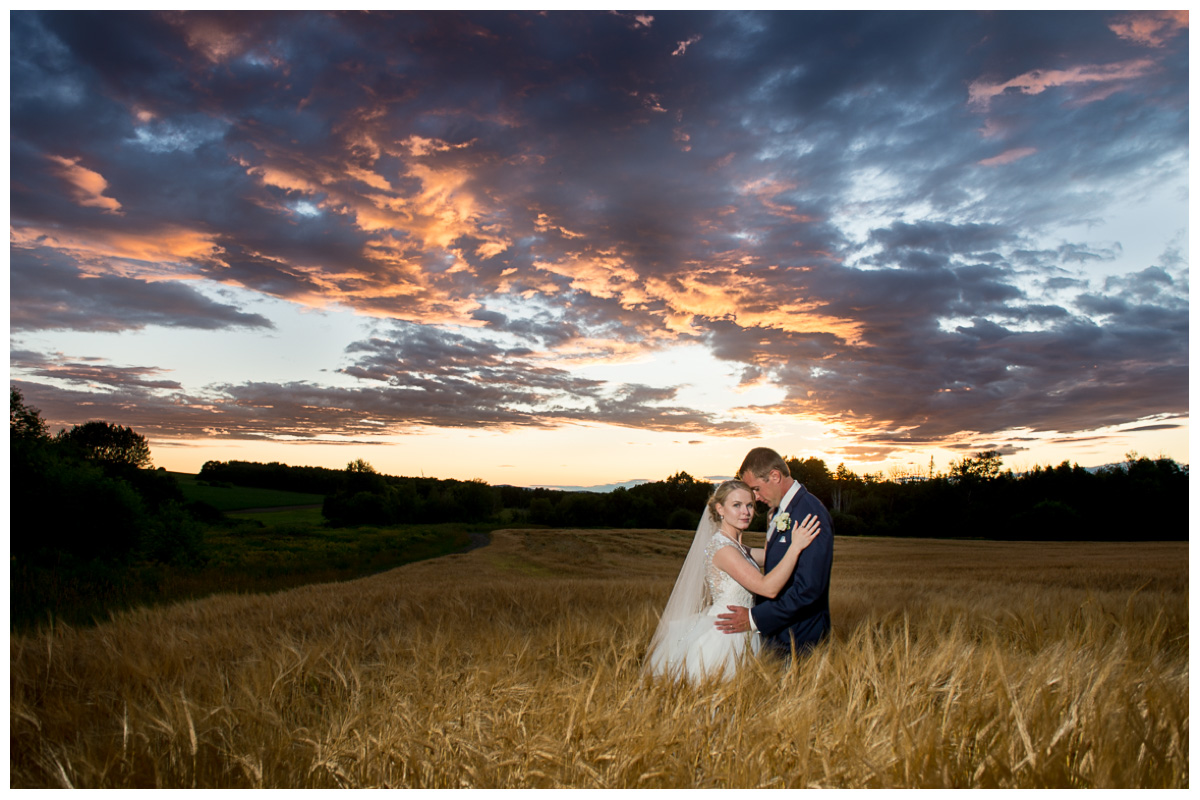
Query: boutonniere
(782, 521)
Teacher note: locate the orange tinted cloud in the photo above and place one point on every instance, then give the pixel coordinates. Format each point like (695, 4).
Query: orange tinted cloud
(1008, 156)
(545, 223)
(283, 178)
(766, 190)
(146, 254)
(446, 209)
(1038, 80)
(682, 47)
(714, 293)
(218, 38)
(87, 185)
(420, 146)
(1151, 28)
(372, 179)
(604, 275)
(724, 293)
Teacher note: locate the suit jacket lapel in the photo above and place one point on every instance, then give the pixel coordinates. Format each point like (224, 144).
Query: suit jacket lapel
(769, 562)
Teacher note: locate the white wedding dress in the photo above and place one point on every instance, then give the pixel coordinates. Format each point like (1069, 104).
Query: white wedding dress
(687, 643)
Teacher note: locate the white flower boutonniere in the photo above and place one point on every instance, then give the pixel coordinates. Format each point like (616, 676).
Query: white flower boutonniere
(782, 521)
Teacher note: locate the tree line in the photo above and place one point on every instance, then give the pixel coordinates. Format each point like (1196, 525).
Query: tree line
(1138, 499)
(361, 495)
(1141, 498)
(89, 493)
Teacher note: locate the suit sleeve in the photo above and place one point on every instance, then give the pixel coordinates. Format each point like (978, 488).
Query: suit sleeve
(810, 578)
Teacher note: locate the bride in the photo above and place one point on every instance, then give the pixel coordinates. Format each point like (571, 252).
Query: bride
(719, 571)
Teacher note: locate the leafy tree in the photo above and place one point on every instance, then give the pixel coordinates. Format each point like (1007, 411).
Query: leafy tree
(814, 475)
(361, 477)
(681, 490)
(984, 466)
(309, 480)
(842, 489)
(110, 445)
(25, 424)
(476, 501)
(541, 511)
(580, 509)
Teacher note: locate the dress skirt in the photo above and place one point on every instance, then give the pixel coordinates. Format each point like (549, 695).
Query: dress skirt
(693, 648)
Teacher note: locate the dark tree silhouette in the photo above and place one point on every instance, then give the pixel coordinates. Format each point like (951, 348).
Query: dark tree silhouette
(25, 424)
(107, 444)
(982, 466)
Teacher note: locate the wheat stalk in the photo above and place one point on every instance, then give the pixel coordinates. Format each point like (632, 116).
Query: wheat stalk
(999, 665)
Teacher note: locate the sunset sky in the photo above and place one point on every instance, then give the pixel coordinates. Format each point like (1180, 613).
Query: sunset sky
(585, 248)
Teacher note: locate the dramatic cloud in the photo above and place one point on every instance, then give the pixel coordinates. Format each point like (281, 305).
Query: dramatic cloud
(906, 223)
(48, 291)
(416, 377)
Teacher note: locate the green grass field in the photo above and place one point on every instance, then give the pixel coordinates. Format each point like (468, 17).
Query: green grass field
(232, 498)
(255, 551)
(286, 554)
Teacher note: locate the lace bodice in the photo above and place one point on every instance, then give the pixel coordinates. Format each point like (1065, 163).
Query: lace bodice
(724, 590)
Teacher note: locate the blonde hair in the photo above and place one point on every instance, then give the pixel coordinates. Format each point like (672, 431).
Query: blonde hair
(720, 493)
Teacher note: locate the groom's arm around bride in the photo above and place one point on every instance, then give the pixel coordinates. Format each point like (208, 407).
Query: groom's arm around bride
(800, 613)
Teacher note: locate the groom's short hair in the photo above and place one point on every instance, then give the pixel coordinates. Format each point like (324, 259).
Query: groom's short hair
(760, 461)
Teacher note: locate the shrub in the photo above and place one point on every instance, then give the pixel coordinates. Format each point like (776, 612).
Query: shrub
(172, 536)
(73, 510)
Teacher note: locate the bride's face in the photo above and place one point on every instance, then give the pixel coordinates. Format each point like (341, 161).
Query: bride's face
(738, 509)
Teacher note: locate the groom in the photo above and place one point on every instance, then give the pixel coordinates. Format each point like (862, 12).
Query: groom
(799, 615)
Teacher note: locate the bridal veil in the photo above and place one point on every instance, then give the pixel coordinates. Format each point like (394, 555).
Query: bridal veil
(690, 594)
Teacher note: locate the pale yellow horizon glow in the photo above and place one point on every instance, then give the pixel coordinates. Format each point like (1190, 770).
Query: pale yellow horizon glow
(599, 455)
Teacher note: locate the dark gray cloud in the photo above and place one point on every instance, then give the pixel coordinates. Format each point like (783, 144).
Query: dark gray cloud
(1119, 356)
(47, 291)
(449, 379)
(413, 376)
(1150, 428)
(89, 372)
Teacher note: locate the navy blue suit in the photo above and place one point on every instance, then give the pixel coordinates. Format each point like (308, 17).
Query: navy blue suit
(800, 612)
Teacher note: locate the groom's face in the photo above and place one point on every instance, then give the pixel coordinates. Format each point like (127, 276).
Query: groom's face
(767, 490)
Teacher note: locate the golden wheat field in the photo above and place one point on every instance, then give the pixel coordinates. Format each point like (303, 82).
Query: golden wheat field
(952, 664)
